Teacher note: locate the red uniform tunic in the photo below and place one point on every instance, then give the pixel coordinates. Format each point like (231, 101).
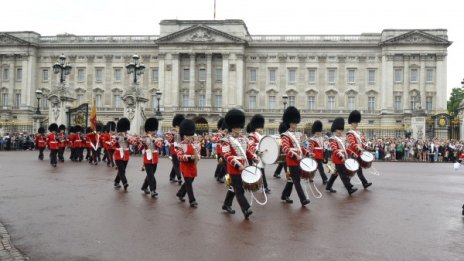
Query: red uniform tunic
(172, 138)
(105, 140)
(339, 154)
(157, 143)
(290, 148)
(121, 145)
(356, 144)
(62, 140)
(188, 166)
(40, 141)
(217, 138)
(71, 139)
(52, 142)
(316, 146)
(234, 156)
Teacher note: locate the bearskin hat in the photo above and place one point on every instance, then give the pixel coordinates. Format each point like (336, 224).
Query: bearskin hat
(235, 119)
(123, 125)
(62, 127)
(88, 130)
(72, 129)
(99, 126)
(111, 125)
(41, 130)
(178, 118)
(105, 128)
(249, 128)
(317, 127)
(53, 127)
(219, 123)
(291, 115)
(224, 125)
(355, 117)
(151, 124)
(338, 124)
(283, 127)
(257, 122)
(187, 128)
(77, 128)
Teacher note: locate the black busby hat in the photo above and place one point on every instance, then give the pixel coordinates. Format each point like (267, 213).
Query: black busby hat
(291, 115)
(53, 127)
(283, 127)
(151, 124)
(257, 122)
(72, 129)
(187, 127)
(355, 116)
(249, 128)
(99, 126)
(62, 127)
(111, 125)
(317, 127)
(178, 118)
(78, 128)
(219, 123)
(224, 125)
(105, 128)
(88, 130)
(41, 130)
(123, 125)
(235, 119)
(338, 124)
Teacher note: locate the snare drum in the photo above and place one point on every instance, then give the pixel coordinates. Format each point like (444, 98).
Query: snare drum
(351, 166)
(366, 159)
(269, 149)
(308, 168)
(252, 178)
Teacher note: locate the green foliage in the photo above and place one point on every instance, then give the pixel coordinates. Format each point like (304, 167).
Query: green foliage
(457, 95)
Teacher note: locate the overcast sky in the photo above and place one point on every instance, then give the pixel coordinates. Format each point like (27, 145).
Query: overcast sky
(142, 17)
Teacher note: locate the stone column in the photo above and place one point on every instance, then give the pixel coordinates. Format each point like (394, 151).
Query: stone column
(175, 81)
(405, 77)
(166, 98)
(386, 89)
(225, 80)
(25, 82)
(192, 81)
(239, 80)
(422, 80)
(209, 79)
(440, 84)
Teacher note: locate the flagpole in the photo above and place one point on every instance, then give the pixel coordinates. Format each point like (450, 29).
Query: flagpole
(214, 10)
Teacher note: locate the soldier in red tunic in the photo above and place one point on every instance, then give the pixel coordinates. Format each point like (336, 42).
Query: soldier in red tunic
(316, 148)
(40, 142)
(62, 139)
(339, 155)
(293, 148)
(217, 138)
(255, 130)
(356, 143)
(79, 143)
(189, 154)
(122, 152)
(281, 162)
(173, 138)
(53, 143)
(111, 125)
(236, 150)
(150, 145)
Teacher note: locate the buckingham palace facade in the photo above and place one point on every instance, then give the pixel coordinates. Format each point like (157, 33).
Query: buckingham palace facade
(205, 67)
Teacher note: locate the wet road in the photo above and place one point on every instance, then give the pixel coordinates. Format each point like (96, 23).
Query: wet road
(412, 212)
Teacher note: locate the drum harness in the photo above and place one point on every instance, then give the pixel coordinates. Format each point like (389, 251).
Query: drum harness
(372, 169)
(239, 149)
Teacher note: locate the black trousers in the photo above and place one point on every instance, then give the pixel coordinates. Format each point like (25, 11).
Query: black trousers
(61, 154)
(264, 178)
(187, 188)
(280, 166)
(53, 159)
(175, 171)
(105, 155)
(110, 158)
(79, 154)
(342, 172)
(98, 154)
(121, 176)
(295, 172)
(150, 180)
(239, 192)
(361, 176)
(221, 169)
(41, 153)
(320, 167)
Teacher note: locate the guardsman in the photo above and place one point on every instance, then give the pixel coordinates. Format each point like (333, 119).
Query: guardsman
(316, 148)
(150, 145)
(174, 139)
(221, 168)
(256, 129)
(53, 143)
(121, 155)
(40, 142)
(62, 139)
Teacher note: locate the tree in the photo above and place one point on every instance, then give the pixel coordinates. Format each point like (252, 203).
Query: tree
(457, 95)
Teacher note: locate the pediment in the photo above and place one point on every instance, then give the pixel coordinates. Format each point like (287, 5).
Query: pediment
(200, 34)
(416, 37)
(7, 39)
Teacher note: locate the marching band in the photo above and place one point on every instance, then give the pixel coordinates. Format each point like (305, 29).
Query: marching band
(241, 158)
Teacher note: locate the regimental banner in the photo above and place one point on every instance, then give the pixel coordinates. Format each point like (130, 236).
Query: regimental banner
(79, 116)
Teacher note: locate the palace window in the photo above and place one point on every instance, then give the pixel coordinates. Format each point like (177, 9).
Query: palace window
(371, 104)
(291, 100)
(98, 74)
(186, 76)
(80, 98)
(17, 100)
(219, 74)
(117, 74)
(185, 100)
(272, 102)
(5, 99)
(45, 75)
(201, 101)
(412, 102)
(253, 75)
(311, 102)
(331, 76)
(351, 75)
(428, 103)
(331, 103)
(397, 103)
(351, 103)
(154, 75)
(202, 74)
(291, 76)
(5, 73)
(272, 75)
(218, 101)
(414, 77)
(98, 100)
(252, 102)
(371, 76)
(19, 74)
(398, 75)
(117, 101)
(311, 75)
(80, 75)
(429, 75)
(154, 102)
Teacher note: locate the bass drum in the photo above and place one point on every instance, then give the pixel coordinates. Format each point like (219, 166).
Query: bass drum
(351, 166)
(308, 168)
(269, 149)
(366, 159)
(252, 178)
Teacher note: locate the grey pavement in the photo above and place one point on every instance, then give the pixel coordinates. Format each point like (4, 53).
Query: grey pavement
(72, 212)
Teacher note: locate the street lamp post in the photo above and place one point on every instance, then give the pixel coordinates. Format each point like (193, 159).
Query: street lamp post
(158, 97)
(285, 99)
(135, 67)
(38, 94)
(62, 68)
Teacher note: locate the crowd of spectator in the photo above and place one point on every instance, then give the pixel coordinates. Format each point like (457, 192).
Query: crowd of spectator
(388, 149)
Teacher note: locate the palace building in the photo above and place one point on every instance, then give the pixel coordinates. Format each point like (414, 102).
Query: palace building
(205, 67)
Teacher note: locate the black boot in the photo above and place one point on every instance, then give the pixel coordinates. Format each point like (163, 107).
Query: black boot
(228, 209)
(352, 190)
(247, 213)
(366, 185)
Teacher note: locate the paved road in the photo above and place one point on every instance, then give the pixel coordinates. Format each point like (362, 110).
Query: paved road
(412, 212)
